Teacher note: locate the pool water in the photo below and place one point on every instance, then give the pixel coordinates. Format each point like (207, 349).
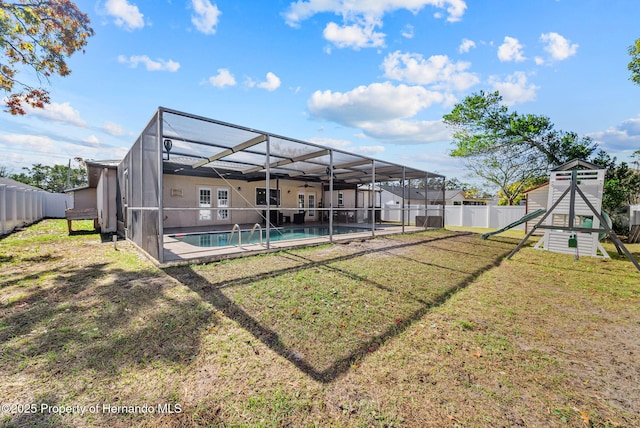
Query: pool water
(221, 239)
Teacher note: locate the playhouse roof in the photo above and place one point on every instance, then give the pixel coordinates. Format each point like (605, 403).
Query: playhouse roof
(577, 164)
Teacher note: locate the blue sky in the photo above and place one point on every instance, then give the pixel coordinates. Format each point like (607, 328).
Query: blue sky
(369, 76)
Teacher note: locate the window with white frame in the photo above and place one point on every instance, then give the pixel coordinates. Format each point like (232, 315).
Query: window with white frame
(223, 202)
(301, 201)
(340, 199)
(204, 201)
(312, 204)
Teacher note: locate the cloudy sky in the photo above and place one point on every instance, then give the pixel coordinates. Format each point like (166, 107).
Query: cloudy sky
(370, 76)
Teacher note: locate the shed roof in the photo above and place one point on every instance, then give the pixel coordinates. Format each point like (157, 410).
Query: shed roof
(93, 170)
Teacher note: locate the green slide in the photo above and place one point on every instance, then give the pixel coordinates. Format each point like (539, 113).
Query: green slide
(525, 218)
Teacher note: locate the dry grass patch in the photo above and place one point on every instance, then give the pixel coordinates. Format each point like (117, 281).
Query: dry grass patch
(324, 311)
(428, 329)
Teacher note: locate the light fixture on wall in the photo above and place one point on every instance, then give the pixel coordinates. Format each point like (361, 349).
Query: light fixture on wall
(289, 191)
(239, 188)
(168, 144)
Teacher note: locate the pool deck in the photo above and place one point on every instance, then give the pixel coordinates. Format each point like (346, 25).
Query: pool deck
(178, 252)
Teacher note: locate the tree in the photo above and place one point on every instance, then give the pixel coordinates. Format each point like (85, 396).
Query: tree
(55, 178)
(470, 191)
(455, 184)
(506, 148)
(636, 160)
(521, 187)
(634, 64)
(621, 183)
(38, 34)
(621, 188)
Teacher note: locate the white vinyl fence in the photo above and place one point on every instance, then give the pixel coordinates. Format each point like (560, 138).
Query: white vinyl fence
(634, 215)
(393, 212)
(21, 206)
(485, 216)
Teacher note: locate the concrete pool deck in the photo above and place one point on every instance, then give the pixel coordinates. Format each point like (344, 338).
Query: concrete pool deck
(178, 252)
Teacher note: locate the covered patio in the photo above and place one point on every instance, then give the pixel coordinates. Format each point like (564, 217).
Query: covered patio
(190, 175)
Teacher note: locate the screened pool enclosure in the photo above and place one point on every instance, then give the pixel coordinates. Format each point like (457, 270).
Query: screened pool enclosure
(192, 176)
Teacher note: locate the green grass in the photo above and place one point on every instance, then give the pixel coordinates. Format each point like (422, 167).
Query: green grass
(426, 329)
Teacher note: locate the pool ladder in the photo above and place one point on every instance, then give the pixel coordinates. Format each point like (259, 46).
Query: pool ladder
(253, 229)
(236, 228)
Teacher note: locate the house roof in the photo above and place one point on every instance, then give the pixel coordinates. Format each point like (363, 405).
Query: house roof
(539, 186)
(111, 164)
(10, 182)
(415, 193)
(199, 146)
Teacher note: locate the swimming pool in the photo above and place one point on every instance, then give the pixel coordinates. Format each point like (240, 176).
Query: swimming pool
(221, 239)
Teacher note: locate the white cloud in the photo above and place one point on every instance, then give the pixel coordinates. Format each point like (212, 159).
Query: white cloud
(353, 36)
(92, 141)
(301, 10)
(437, 70)
(378, 101)
(331, 142)
(26, 149)
(466, 45)
(619, 140)
(557, 46)
(206, 16)
(408, 131)
(515, 89)
(510, 50)
(408, 31)
(126, 15)
(114, 129)
(222, 79)
(151, 65)
(271, 83)
(347, 145)
(361, 18)
(59, 113)
(368, 150)
(381, 111)
(39, 143)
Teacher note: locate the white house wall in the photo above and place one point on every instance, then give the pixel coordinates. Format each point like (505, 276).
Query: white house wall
(349, 199)
(85, 198)
(182, 192)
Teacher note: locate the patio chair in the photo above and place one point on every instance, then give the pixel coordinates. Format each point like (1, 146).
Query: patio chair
(298, 218)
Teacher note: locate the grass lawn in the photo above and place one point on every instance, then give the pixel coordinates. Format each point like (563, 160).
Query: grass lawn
(430, 329)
